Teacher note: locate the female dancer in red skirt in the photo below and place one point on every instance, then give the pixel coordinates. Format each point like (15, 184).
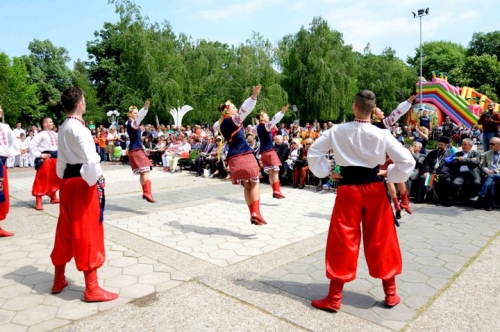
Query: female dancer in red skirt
(139, 162)
(242, 163)
(268, 156)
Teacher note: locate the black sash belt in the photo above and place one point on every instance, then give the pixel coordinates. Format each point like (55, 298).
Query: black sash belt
(72, 171)
(39, 161)
(359, 175)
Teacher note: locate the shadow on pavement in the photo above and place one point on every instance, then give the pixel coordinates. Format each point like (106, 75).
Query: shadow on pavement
(190, 228)
(41, 283)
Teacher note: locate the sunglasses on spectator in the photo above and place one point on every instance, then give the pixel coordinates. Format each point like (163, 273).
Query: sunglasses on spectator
(492, 143)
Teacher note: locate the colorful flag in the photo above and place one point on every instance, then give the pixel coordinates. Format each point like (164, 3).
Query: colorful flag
(429, 180)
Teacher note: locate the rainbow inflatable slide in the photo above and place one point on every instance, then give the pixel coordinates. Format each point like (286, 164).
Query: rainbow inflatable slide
(462, 105)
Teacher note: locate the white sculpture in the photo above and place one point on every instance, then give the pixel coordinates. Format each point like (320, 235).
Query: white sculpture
(113, 118)
(178, 114)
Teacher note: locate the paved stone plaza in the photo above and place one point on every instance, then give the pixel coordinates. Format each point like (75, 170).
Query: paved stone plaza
(193, 262)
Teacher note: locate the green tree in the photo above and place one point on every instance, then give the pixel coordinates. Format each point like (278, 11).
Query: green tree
(94, 112)
(485, 43)
(443, 56)
(387, 76)
(318, 71)
(47, 69)
(18, 98)
(483, 74)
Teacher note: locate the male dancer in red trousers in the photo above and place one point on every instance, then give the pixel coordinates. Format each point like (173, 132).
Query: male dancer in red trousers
(44, 149)
(80, 231)
(7, 150)
(361, 201)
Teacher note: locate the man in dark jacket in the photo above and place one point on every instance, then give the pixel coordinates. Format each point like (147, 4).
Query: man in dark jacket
(202, 157)
(435, 164)
(420, 190)
(465, 168)
(282, 150)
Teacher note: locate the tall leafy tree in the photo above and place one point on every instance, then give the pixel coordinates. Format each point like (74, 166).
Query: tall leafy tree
(18, 98)
(387, 76)
(485, 43)
(318, 71)
(94, 112)
(47, 69)
(443, 56)
(483, 74)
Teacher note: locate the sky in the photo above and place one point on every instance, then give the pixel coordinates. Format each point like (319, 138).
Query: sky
(382, 23)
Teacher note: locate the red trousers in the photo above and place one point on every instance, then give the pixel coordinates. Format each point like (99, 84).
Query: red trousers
(46, 179)
(362, 207)
(79, 233)
(300, 175)
(4, 207)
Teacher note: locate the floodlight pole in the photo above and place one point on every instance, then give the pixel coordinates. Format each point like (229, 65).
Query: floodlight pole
(421, 13)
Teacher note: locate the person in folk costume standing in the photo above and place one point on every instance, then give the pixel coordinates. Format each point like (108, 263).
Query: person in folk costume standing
(7, 150)
(44, 149)
(80, 231)
(361, 206)
(139, 162)
(379, 120)
(241, 160)
(268, 157)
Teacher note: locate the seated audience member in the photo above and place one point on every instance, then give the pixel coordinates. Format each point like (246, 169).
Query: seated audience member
(171, 150)
(435, 164)
(196, 143)
(301, 167)
(282, 150)
(490, 166)
(464, 133)
(159, 148)
(326, 183)
(202, 158)
(475, 134)
(419, 191)
(221, 165)
(465, 168)
(182, 153)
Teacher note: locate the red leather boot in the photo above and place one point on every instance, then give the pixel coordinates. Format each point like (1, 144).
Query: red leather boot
(4, 233)
(255, 216)
(54, 199)
(391, 298)
(277, 190)
(333, 301)
(397, 207)
(38, 205)
(146, 192)
(405, 202)
(59, 279)
(93, 292)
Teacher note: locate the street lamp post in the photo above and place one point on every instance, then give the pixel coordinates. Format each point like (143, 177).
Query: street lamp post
(420, 14)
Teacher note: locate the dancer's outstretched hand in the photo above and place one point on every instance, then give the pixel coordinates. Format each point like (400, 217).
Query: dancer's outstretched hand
(146, 104)
(284, 109)
(256, 91)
